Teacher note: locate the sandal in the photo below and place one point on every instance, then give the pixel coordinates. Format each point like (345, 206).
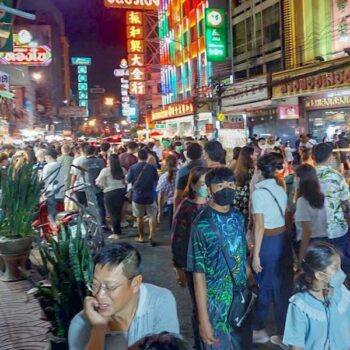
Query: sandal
(113, 236)
(140, 240)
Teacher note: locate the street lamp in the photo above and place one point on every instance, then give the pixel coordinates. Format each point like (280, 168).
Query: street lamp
(109, 101)
(37, 76)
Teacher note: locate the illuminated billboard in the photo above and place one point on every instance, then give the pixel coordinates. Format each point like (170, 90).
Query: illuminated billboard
(31, 46)
(133, 4)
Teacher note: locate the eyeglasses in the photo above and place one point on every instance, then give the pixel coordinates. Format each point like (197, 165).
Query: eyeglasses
(95, 288)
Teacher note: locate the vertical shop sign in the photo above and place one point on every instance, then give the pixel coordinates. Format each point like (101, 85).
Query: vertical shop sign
(136, 48)
(215, 34)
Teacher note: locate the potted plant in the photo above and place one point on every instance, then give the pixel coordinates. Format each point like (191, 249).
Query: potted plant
(20, 193)
(67, 269)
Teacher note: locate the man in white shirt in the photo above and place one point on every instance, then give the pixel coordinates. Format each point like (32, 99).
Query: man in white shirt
(122, 309)
(79, 181)
(54, 179)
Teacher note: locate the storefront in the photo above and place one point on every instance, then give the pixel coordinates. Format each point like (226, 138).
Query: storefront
(178, 119)
(249, 101)
(328, 114)
(323, 91)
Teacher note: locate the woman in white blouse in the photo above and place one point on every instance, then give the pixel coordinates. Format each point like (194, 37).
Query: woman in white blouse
(272, 253)
(112, 182)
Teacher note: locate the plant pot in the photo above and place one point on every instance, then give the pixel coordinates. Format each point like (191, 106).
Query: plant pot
(13, 255)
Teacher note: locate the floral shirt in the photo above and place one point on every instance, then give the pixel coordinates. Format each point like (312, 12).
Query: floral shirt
(242, 194)
(181, 229)
(336, 191)
(205, 256)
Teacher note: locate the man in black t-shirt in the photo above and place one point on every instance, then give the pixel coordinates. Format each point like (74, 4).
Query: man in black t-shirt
(144, 178)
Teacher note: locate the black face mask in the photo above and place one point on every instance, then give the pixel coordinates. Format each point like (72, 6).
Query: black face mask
(224, 196)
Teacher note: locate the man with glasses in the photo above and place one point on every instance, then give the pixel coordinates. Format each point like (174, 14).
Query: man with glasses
(122, 309)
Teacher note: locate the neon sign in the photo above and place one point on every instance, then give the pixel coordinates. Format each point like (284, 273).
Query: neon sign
(133, 4)
(31, 56)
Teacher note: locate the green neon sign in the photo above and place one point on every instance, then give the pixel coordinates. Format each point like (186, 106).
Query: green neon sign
(83, 95)
(83, 61)
(83, 103)
(215, 34)
(82, 70)
(82, 78)
(82, 86)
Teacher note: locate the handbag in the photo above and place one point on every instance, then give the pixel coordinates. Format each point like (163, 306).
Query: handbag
(275, 199)
(128, 194)
(243, 298)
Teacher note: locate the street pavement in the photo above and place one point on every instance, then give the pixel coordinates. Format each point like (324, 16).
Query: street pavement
(157, 268)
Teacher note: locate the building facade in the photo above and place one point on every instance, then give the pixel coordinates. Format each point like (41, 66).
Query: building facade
(187, 75)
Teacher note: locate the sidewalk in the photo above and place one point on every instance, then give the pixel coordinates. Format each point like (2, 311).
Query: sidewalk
(20, 324)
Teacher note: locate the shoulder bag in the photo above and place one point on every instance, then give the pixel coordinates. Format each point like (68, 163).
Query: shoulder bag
(275, 199)
(244, 297)
(130, 192)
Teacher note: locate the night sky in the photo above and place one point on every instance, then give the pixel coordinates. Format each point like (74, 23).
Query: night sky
(95, 31)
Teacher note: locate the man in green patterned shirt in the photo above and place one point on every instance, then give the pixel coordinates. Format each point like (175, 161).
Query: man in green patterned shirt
(336, 191)
(212, 281)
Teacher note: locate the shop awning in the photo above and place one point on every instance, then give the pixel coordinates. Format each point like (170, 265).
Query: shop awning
(248, 107)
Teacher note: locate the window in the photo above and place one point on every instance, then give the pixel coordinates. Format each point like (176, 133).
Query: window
(271, 21)
(274, 66)
(257, 70)
(241, 74)
(239, 38)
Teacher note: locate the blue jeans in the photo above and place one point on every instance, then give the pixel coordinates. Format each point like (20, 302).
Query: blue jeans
(51, 203)
(275, 280)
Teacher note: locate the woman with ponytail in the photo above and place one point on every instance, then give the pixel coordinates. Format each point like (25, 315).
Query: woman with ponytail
(319, 312)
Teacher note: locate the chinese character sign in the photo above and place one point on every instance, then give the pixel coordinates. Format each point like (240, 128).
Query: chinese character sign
(136, 47)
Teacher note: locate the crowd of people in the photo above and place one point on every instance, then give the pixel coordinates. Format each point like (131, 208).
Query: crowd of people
(265, 218)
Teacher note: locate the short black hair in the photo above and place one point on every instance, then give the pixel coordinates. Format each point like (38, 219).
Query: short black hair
(150, 145)
(194, 151)
(322, 152)
(89, 150)
(218, 175)
(162, 341)
(215, 151)
(269, 163)
(105, 146)
(120, 253)
(143, 153)
(132, 145)
(261, 139)
(51, 152)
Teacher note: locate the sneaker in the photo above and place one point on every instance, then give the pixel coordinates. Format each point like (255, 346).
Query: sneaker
(113, 237)
(260, 337)
(124, 224)
(277, 340)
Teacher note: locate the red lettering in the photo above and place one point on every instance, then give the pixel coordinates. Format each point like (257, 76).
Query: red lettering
(296, 86)
(303, 84)
(319, 81)
(347, 76)
(329, 79)
(310, 83)
(338, 78)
